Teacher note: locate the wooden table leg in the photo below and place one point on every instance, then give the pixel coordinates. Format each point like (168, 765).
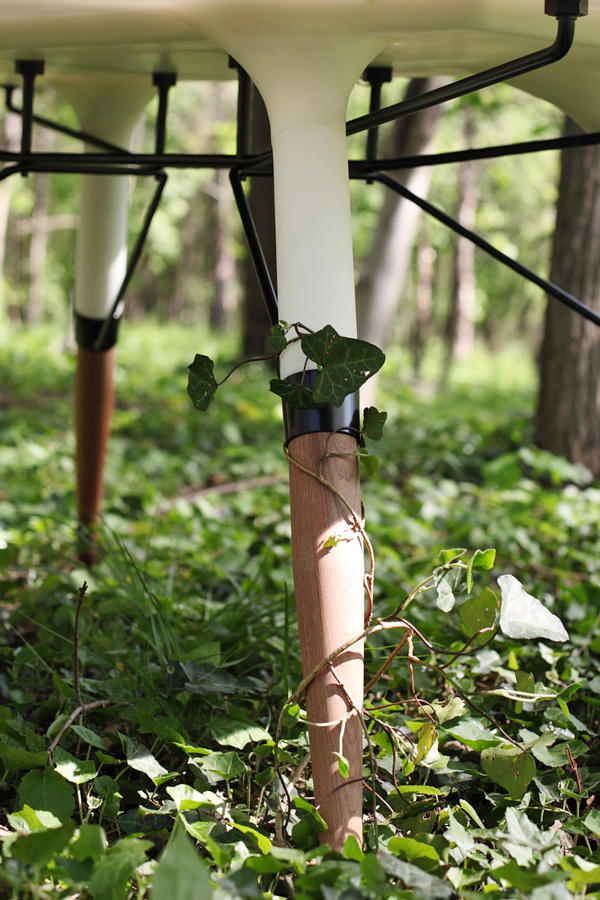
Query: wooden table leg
(330, 604)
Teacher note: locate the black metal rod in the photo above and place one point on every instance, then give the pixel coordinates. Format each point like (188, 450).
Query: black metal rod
(548, 286)
(57, 126)
(259, 164)
(61, 161)
(376, 76)
(365, 166)
(163, 81)
(254, 245)
(538, 59)
(28, 69)
(243, 112)
(134, 258)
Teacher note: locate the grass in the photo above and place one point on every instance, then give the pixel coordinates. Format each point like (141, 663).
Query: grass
(187, 634)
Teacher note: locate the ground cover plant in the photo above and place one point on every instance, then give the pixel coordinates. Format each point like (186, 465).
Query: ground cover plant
(139, 712)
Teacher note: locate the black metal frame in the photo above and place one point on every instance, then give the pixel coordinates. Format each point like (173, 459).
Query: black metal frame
(115, 160)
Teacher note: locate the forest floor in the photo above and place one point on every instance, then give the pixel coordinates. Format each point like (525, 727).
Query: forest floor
(482, 772)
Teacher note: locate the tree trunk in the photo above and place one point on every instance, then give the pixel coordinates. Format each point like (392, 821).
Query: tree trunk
(460, 322)
(255, 327)
(385, 266)
(426, 258)
(9, 135)
(568, 410)
(222, 262)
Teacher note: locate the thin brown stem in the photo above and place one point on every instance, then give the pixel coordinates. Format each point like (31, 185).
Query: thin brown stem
(76, 682)
(78, 711)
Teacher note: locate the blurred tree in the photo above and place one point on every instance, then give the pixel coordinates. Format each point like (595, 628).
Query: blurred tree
(568, 408)
(460, 320)
(384, 268)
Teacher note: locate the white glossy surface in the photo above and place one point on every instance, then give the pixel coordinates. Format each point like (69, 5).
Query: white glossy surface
(418, 36)
(101, 255)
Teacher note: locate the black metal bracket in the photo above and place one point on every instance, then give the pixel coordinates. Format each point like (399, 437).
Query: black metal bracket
(114, 160)
(327, 417)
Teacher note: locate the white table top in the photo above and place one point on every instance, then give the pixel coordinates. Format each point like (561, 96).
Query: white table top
(132, 38)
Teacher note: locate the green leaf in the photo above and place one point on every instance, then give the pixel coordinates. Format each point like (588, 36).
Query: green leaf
(295, 394)
(369, 464)
(222, 766)
(426, 737)
(278, 338)
(186, 797)
(39, 848)
(77, 771)
(202, 384)
(262, 841)
(453, 709)
(46, 790)
(509, 767)
(484, 559)
(28, 819)
(411, 849)
(317, 345)
(180, 874)
(481, 559)
(478, 613)
(373, 422)
(89, 736)
(15, 756)
(352, 849)
(91, 843)
(343, 765)
(451, 554)
(115, 868)
(140, 759)
(346, 363)
(474, 735)
(235, 733)
(592, 821)
(523, 616)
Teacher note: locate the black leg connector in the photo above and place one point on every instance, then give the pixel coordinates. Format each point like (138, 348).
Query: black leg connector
(344, 418)
(566, 8)
(87, 332)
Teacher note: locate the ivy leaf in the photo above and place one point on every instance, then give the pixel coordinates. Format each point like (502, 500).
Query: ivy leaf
(38, 849)
(481, 559)
(345, 363)
(509, 767)
(202, 384)
(294, 394)
(77, 771)
(426, 738)
(369, 464)
(373, 422)
(478, 613)
(277, 338)
(140, 759)
(46, 790)
(317, 345)
(343, 765)
(180, 874)
(523, 616)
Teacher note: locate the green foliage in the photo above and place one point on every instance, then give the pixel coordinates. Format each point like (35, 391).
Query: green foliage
(485, 786)
(344, 365)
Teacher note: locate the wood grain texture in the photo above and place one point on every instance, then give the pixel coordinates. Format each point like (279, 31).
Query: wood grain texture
(330, 606)
(94, 400)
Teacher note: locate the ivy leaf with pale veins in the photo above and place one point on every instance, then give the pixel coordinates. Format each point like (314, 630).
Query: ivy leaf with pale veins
(294, 394)
(277, 338)
(373, 422)
(346, 363)
(317, 344)
(202, 384)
